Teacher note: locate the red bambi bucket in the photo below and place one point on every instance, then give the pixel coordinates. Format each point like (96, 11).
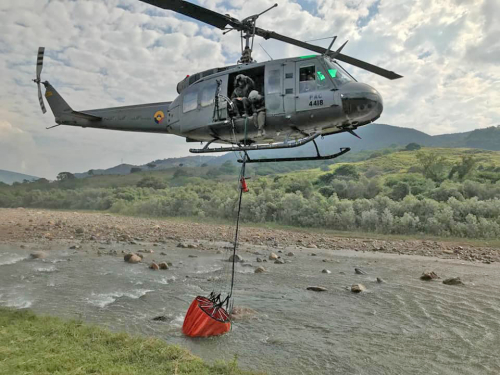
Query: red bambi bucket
(203, 319)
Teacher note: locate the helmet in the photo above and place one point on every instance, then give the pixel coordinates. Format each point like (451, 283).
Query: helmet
(240, 77)
(253, 95)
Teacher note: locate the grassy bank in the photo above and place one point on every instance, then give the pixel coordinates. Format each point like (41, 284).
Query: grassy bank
(30, 344)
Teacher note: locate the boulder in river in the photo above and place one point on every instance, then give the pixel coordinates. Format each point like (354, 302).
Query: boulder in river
(326, 271)
(290, 254)
(279, 261)
(429, 276)
(163, 266)
(153, 266)
(453, 281)
(260, 270)
(259, 260)
(237, 258)
(359, 271)
(161, 318)
(380, 280)
(38, 255)
(317, 288)
(273, 256)
(357, 288)
(132, 258)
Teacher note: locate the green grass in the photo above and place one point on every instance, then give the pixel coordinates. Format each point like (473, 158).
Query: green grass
(30, 344)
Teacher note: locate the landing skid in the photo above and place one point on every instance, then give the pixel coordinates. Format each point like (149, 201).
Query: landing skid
(276, 146)
(342, 151)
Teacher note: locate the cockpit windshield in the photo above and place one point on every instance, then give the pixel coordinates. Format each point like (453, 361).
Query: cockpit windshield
(339, 76)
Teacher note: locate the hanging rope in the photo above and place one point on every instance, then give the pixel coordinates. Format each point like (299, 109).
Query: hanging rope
(209, 316)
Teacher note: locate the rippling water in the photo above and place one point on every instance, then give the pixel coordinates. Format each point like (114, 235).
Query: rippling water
(402, 326)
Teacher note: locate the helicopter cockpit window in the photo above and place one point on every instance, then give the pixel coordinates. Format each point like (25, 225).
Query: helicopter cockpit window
(190, 101)
(207, 95)
(307, 79)
(338, 76)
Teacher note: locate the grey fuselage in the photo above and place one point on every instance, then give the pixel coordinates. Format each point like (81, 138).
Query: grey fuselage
(302, 95)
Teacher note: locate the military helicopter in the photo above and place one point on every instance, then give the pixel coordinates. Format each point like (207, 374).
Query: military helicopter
(302, 98)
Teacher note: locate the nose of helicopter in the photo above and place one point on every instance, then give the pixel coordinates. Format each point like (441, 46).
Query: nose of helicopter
(361, 102)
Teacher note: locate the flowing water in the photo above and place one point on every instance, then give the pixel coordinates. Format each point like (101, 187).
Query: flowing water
(402, 326)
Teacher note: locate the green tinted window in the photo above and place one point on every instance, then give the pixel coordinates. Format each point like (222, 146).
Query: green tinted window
(333, 72)
(321, 76)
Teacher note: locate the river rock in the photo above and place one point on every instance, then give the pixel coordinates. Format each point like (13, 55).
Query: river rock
(326, 271)
(260, 270)
(163, 266)
(153, 266)
(358, 288)
(312, 246)
(273, 256)
(132, 258)
(192, 256)
(317, 288)
(237, 258)
(453, 281)
(38, 255)
(259, 260)
(161, 318)
(291, 254)
(359, 271)
(380, 280)
(182, 245)
(79, 230)
(279, 261)
(429, 276)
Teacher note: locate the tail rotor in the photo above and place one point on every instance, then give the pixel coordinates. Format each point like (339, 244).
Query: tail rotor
(39, 66)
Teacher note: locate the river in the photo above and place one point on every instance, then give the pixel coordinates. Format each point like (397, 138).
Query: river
(401, 326)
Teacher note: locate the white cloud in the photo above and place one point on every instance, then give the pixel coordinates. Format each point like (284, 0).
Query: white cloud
(118, 52)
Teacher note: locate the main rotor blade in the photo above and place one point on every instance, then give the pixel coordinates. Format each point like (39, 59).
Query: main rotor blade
(197, 12)
(39, 62)
(350, 60)
(40, 98)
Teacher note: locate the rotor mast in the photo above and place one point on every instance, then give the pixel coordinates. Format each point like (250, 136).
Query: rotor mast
(247, 32)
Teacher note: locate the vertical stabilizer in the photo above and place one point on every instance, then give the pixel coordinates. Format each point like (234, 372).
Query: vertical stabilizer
(56, 102)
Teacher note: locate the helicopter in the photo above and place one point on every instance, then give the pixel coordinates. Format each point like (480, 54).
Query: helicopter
(302, 97)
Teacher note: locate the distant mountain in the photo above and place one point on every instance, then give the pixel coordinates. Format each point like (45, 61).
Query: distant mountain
(8, 177)
(377, 136)
(160, 164)
(373, 137)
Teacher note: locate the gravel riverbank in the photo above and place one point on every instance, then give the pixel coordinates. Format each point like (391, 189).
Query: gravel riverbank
(43, 227)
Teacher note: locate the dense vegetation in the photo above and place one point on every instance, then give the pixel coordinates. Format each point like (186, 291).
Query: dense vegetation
(443, 192)
(44, 345)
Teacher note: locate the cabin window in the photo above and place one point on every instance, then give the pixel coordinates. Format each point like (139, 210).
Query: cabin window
(190, 101)
(207, 95)
(307, 78)
(273, 85)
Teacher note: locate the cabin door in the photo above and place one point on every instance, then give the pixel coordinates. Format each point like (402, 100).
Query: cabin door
(312, 86)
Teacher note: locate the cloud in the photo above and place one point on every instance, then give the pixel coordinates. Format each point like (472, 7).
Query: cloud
(120, 52)
(18, 150)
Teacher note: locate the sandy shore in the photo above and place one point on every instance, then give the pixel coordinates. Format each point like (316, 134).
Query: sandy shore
(45, 227)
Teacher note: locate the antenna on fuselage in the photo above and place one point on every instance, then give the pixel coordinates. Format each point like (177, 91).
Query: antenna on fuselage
(266, 51)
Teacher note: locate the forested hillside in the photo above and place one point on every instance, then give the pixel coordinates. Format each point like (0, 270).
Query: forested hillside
(441, 192)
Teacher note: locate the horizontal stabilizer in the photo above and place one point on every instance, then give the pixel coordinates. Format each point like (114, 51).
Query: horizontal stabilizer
(86, 116)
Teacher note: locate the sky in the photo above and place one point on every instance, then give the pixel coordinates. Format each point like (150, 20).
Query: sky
(102, 53)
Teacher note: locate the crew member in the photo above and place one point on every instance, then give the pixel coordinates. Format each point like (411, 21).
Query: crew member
(259, 111)
(242, 87)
